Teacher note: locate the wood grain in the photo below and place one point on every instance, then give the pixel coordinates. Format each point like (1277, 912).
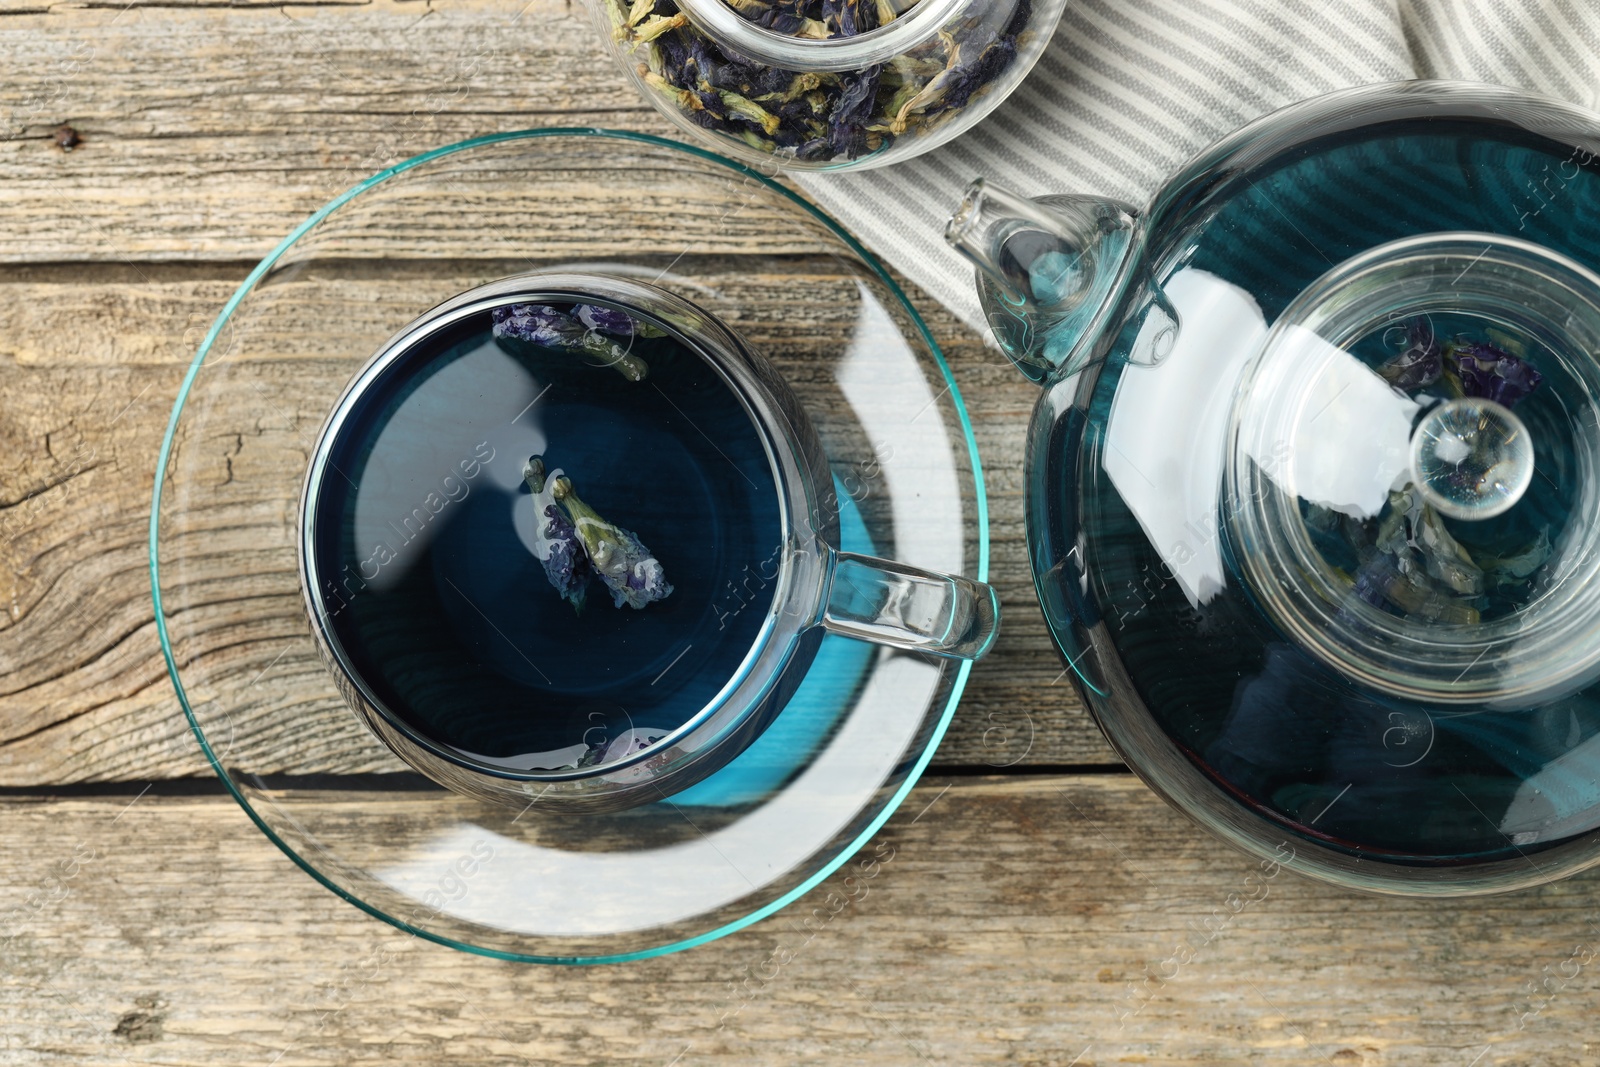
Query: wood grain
(207, 132)
(277, 108)
(1031, 920)
(1027, 919)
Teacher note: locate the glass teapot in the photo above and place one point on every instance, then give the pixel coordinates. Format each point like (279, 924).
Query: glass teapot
(1314, 481)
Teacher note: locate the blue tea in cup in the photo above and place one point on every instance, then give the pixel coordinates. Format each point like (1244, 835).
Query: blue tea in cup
(567, 539)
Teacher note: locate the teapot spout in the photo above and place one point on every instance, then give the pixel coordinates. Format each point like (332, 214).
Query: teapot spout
(1046, 268)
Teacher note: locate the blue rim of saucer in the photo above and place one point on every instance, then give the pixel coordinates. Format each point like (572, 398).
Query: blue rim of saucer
(980, 497)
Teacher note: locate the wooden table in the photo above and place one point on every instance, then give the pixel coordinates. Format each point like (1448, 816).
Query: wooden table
(1040, 899)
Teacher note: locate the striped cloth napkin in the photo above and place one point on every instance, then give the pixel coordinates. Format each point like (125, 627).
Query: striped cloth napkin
(1129, 89)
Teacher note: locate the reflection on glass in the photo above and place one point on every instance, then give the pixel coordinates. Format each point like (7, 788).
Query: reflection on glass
(1329, 568)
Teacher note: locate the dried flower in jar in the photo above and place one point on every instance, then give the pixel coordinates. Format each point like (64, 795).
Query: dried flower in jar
(814, 116)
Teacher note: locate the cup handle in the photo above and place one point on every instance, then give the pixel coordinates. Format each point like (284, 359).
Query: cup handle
(906, 607)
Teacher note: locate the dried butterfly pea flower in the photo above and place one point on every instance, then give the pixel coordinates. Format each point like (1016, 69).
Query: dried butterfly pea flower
(954, 87)
(629, 570)
(557, 547)
(852, 111)
(541, 324)
(753, 81)
(705, 108)
(757, 114)
(968, 65)
(1422, 362)
(818, 117)
(605, 320)
(974, 56)
(788, 17)
(1491, 373)
(672, 59)
(1507, 570)
(847, 18)
(656, 25)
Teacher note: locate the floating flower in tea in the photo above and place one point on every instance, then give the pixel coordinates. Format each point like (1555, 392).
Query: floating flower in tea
(565, 562)
(1422, 362)
(586, 328)
(610, 320)
(1507, 570)
(574, 544)
(629, 570)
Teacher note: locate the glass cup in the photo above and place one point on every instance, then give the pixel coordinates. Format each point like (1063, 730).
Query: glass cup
(440, 629)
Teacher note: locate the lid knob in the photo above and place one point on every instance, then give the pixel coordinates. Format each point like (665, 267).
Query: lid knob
(1471, 458)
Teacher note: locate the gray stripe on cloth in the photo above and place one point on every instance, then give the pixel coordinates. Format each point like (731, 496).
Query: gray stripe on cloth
(1129, 89)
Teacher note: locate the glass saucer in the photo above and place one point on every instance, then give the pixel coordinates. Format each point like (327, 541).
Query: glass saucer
(527, 884)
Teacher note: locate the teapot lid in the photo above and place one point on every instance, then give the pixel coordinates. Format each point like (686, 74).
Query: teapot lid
(1411, 470)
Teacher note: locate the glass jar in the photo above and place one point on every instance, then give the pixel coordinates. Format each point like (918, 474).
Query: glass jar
(826, 84)
(1315, 478)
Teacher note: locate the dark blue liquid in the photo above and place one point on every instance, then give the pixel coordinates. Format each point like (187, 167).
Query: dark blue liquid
(1286, 736)
(424, 541)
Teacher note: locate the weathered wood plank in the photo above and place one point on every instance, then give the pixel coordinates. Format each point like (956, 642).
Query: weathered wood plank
(89, 368)
(208, 131)
(1029, 920)
(276, 109)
